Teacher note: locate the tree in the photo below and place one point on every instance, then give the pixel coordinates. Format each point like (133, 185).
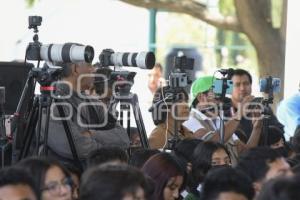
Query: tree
(252, 17)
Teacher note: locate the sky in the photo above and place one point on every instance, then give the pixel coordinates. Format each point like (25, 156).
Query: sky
(100, 23)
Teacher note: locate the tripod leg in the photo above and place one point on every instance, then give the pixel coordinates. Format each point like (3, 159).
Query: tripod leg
(47, 127)
(139, 121)
(29, 130)
(39, 125)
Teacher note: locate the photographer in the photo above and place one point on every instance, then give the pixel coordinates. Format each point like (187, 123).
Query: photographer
(242, 88)
(164, 118)
(103, 84)
(204, 120)
(86, 116)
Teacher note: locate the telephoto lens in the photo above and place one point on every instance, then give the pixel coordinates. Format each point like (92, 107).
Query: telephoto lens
(143, 60)
(68, 52)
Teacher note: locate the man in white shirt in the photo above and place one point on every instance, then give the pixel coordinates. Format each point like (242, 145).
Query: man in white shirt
(204, 121)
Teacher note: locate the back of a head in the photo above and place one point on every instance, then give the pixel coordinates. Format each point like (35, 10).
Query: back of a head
(281, 189)
(185, 148)
(106, 154)
(138, 158)
(161, 167)
(14, 176)
(226, 179)
(111, 181)
(255, 162)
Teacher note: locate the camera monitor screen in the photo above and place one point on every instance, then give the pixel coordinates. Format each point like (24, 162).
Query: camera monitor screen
(13, 76)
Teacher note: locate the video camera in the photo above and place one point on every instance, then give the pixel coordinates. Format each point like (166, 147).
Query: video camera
(68, 52)
(269, 84)
(178, 78)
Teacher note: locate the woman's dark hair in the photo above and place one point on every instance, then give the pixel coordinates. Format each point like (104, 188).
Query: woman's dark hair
(159, 108)
(139, 157)
(184, 149)
(106, 154)
(201, 164)
(274, 135)
(161, 167)
(38, 167)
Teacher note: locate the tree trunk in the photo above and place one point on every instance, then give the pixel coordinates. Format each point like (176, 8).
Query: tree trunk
(269, 45)
(252, 18)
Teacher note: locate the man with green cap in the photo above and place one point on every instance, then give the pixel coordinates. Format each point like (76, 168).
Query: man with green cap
(204, 120)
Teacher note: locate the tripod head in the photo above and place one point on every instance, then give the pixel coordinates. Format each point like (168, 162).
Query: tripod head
(45, 76)
(122, 82)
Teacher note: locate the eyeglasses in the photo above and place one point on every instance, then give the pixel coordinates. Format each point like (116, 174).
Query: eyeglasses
(55, 187)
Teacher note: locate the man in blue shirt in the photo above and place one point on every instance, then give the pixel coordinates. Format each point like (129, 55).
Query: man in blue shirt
(288, 113)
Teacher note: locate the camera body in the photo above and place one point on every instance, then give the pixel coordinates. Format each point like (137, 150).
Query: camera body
(269, 84)
(184, 63)
(219, 84)
(34, 21)
(178, 79)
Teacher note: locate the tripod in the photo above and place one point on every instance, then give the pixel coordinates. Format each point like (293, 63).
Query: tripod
(171, 143)
(128, 100)
(5, 143)
(42, 103)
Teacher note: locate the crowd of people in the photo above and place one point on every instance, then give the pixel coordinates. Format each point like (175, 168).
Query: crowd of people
(189, 156)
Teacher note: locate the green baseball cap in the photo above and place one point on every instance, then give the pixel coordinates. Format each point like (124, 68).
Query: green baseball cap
(200, 85)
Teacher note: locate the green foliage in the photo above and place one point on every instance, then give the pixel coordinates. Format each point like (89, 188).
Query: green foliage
(226, 7)
(276, 12)
(237, 44)
(30, 3)
(175, 29)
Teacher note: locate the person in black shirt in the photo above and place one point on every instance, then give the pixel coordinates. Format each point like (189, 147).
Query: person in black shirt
(242, 88)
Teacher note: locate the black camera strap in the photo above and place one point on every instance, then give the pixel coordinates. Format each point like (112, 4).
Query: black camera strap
(69, 136)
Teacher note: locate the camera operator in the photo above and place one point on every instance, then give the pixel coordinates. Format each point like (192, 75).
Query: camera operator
(163, 116)
(84, 114)
(101, 82)
(204, 120)
(242, 88)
